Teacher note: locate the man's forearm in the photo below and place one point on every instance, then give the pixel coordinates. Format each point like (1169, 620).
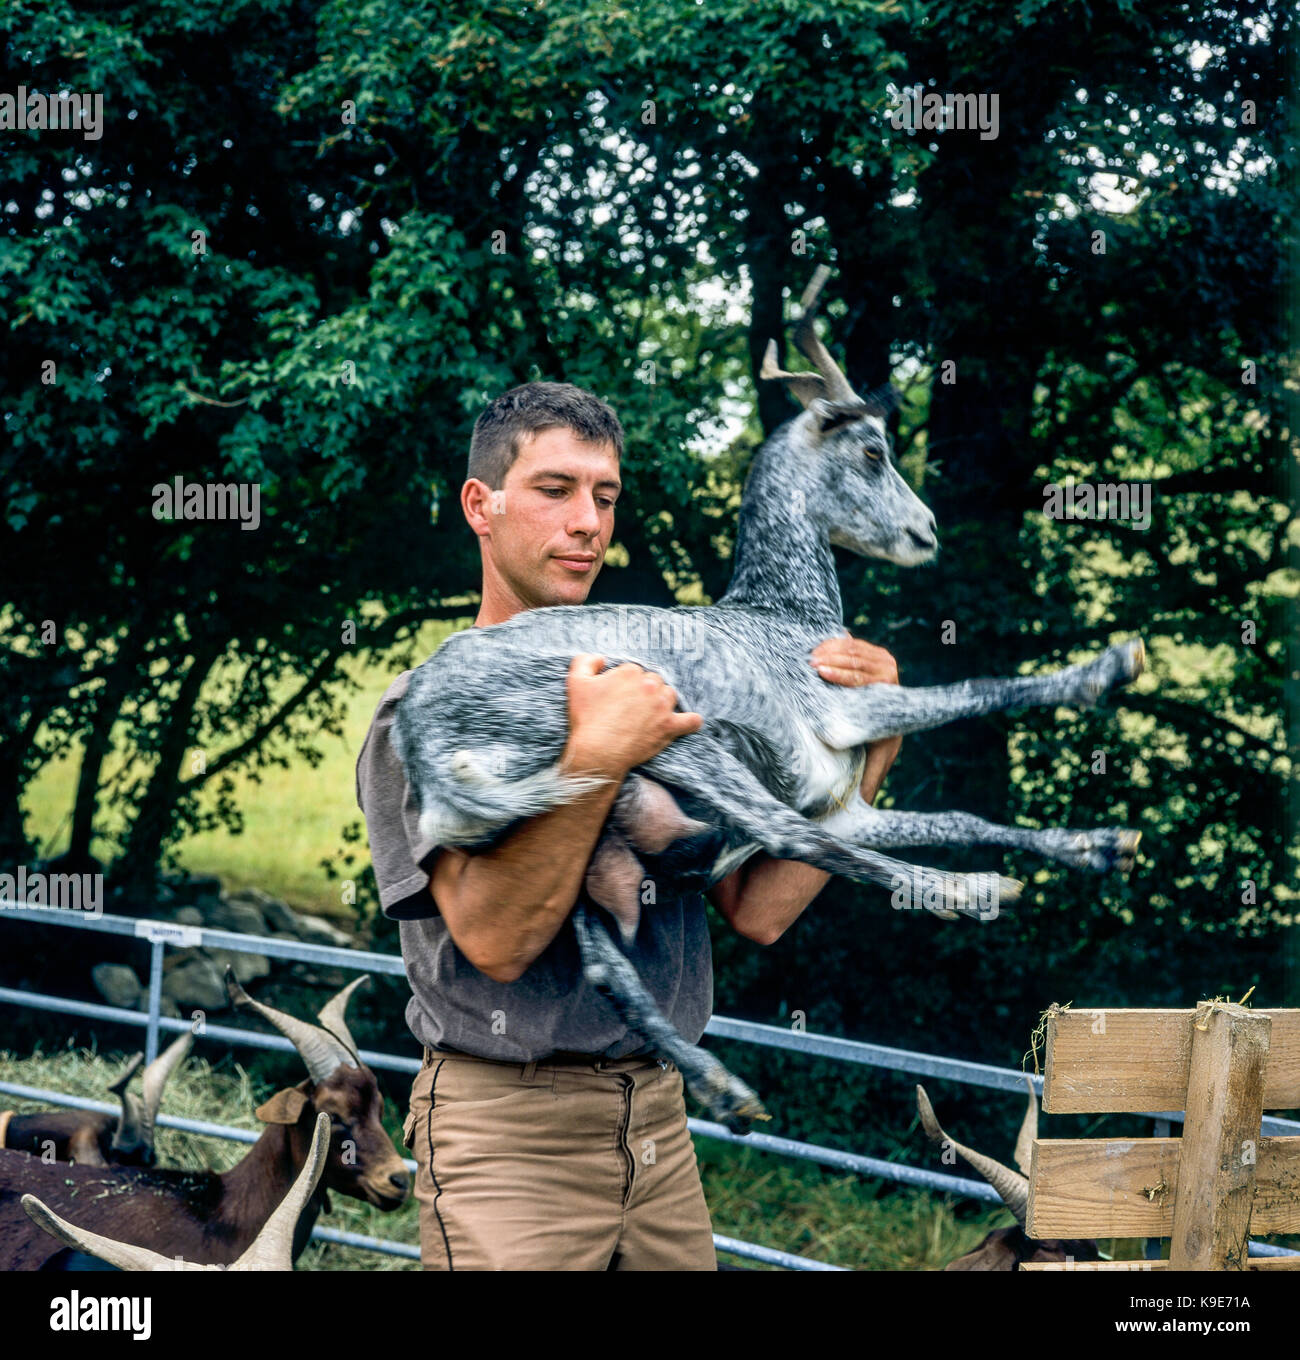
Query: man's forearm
(766, 896)
(515, 897)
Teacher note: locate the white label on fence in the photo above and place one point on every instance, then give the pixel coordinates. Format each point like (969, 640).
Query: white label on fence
(168, 933)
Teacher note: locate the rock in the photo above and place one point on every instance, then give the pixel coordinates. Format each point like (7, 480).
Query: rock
(313, 976)
(227, 914)
(247, 967)
(117, 984)
(166, 1006)
(317, 930)
(280, 916)
(201, 885)
(187, 916)
(196, 982)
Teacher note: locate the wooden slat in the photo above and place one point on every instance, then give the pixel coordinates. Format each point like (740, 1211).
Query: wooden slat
(1094, 1187)
(1254, 1263)
(1217, 1152)
(1115, 1061)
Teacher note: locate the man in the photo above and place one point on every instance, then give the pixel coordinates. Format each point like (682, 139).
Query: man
(546, 1135)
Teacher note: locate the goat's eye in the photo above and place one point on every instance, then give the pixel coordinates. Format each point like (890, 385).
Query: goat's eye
(873, 452)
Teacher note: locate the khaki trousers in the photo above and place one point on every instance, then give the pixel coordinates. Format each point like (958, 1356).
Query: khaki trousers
(567, 1167)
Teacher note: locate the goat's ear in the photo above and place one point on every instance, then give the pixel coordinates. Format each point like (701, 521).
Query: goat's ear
(831, 415)
(284, 1107)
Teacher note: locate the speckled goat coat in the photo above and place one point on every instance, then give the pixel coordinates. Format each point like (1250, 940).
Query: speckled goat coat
(777, 763)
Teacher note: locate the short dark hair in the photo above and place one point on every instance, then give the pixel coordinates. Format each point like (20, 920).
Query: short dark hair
(529, 409)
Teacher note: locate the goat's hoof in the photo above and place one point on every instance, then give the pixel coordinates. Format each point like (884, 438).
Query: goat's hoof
(733, 1104)
(1137, 658)
(1115, 666)
(1102, 850)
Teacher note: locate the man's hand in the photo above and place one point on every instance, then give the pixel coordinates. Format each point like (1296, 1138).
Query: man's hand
(619, 718)
(850, 661)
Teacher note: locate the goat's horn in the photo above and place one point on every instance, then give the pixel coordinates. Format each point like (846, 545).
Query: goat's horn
(807, 387)
(1028, 1131)
(130, 1123)
(318, 1048)
(119, 1254)
(156, 1077)
(807, 343)
(332, 1014)
(1012, 1188)
(272, 1248)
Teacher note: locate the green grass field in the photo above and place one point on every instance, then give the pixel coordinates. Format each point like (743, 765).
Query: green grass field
(752, 1196)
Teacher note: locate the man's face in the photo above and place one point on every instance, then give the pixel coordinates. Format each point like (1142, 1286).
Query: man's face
(547, 529)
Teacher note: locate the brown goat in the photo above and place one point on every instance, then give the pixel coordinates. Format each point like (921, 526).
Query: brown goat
(272, 1249)
(1006, 1248)
(89, 1138)
(210, 1218)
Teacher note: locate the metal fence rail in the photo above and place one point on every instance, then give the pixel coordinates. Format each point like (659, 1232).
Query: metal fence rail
(162, 935)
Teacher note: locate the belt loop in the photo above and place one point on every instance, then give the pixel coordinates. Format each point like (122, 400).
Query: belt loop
(529, 1069)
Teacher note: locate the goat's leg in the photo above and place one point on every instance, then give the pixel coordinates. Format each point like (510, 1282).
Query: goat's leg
(725, 1096)
(1106, 848)
(738, 800)
(864, 713)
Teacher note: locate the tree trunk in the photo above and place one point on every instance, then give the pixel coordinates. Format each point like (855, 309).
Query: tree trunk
(136, 873)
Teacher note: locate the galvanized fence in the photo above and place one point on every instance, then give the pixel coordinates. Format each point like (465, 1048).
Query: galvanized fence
(160, 936)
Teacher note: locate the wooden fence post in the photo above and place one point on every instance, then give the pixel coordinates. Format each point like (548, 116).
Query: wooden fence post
(1221, 1136)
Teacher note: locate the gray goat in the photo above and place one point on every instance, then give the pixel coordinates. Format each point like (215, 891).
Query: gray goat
(777, 763)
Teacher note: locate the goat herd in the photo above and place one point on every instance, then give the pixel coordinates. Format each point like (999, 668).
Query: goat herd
(63, 1168)
(76, 1185)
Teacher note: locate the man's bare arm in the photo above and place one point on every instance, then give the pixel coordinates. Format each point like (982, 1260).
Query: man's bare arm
(504, 906)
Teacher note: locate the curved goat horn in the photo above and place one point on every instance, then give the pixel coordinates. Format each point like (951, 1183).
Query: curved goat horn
(120, 1254)
(1028, 1131)
(807, 387)
(156, 1077)
(1012, 1188)
(130, 1123)
(317, 1047)
(332, 1014)
(271, 1249)
(807, 343)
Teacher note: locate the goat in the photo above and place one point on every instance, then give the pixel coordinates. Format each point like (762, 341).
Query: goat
(271, 1249)
(777, 764)
(214, 1218)
(1006, 1248)
(93, 1139)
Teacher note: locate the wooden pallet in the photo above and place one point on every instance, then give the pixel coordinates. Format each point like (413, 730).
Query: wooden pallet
(1223, 1065)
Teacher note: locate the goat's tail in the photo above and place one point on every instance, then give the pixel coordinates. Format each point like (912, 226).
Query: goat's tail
(472, 795)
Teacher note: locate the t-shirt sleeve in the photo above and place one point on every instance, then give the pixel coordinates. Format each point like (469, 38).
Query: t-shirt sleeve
(402, 858)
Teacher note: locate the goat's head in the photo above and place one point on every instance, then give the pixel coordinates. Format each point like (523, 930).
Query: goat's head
(362, 1163)
(272, 1248)
(1005, 1248)
(859, 498)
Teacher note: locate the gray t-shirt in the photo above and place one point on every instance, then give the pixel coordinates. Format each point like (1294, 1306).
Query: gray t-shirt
(550, 1009)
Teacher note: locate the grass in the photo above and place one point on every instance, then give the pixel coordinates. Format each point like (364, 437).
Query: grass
(846, 1220)
(294, 816)
(793, 1207)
